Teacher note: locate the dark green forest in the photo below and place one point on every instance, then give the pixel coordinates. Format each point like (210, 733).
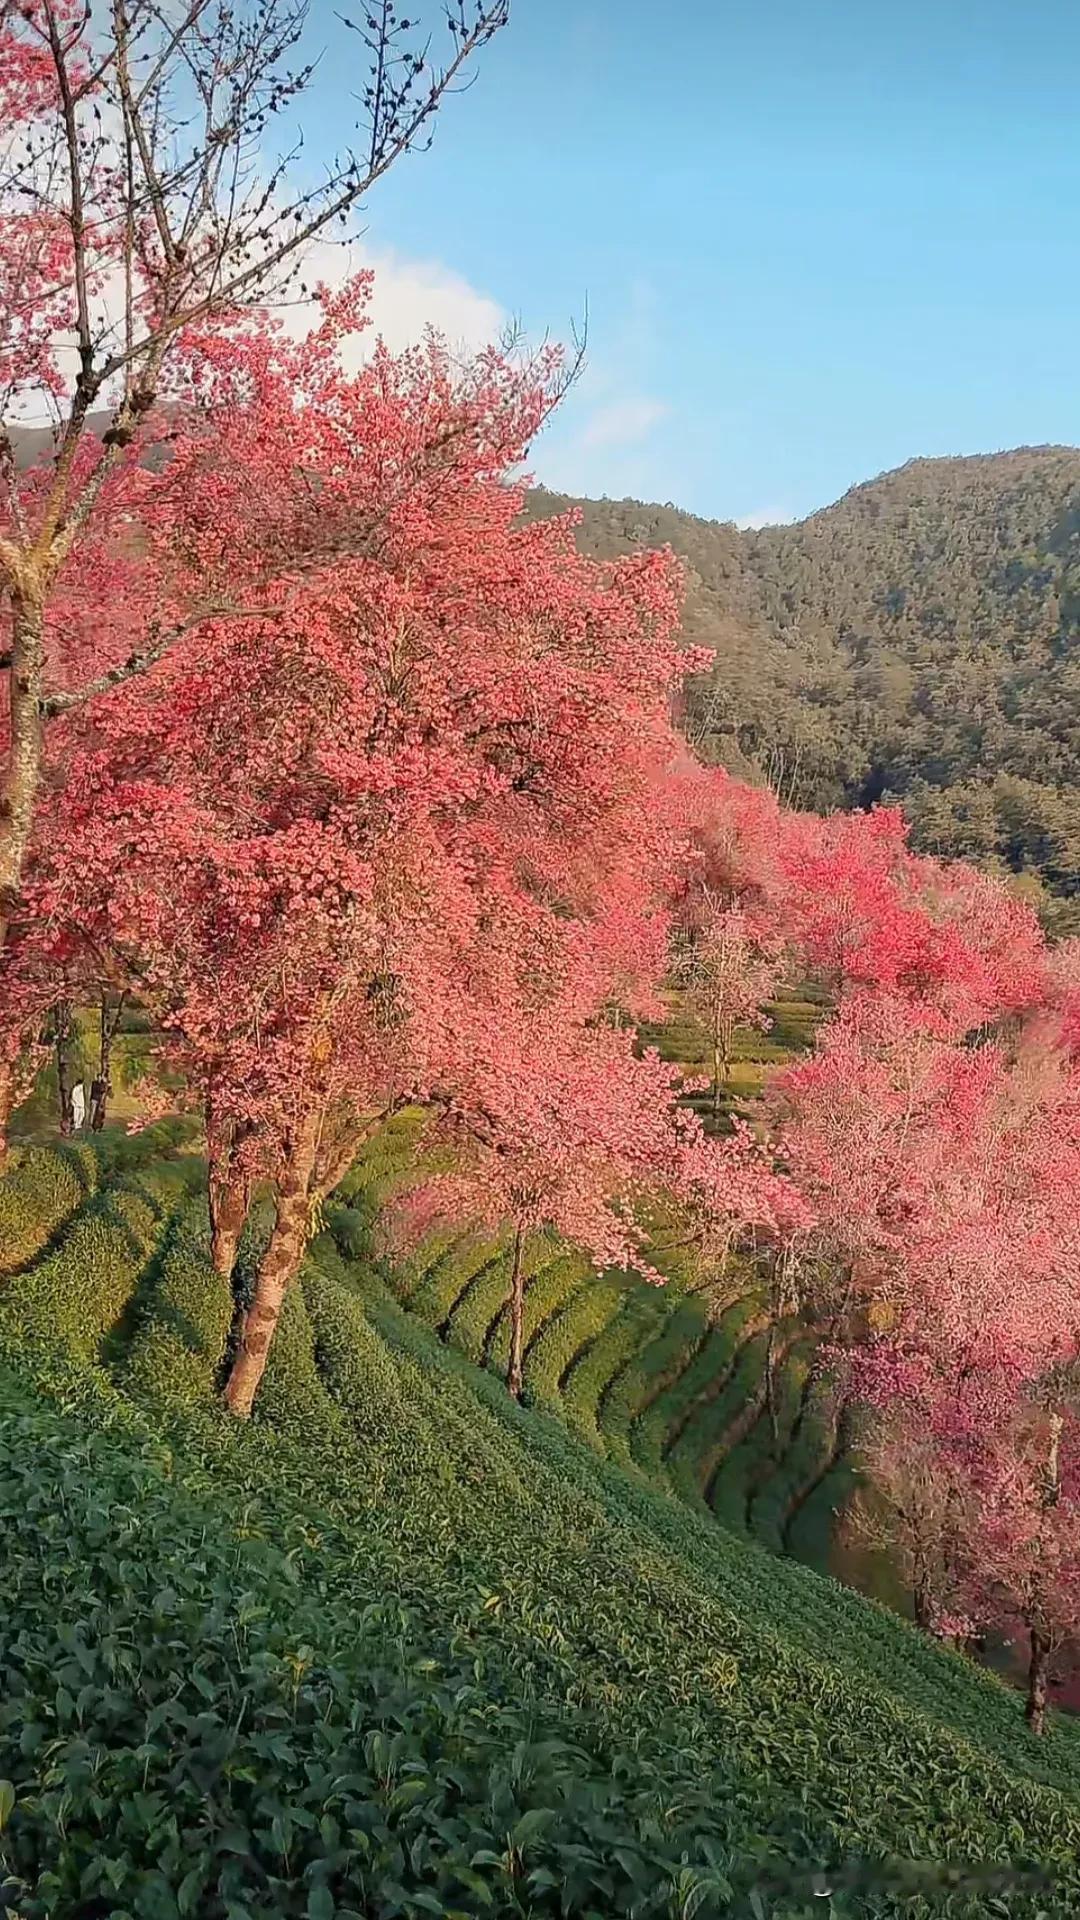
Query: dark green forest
(917, 641)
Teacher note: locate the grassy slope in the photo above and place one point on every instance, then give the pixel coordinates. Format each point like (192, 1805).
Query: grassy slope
(401, 1647)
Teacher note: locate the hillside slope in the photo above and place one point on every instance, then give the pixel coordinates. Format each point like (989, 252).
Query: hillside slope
(401, 1647)
(917, 639)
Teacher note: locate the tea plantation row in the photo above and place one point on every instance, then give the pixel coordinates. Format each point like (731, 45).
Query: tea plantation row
(400, 1647)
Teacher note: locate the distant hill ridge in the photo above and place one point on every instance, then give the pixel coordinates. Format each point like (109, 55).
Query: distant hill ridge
(915, 640)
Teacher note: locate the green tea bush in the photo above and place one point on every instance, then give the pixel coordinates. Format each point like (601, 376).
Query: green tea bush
(445, 1281)
(179, 1341)
(671, 1329)
(400, 1646)
(408, 1274)
(480, 1304)
(707, 1367)
(69, 1301)
(570, 1333)
(809, 1455)
(718, 1423)
(593, 1374)
(40, 1191)
(546, 1293)
(292, 1397)
(753, 1462)
(810, 1527)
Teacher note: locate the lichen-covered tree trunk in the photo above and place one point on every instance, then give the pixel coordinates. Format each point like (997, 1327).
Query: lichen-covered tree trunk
(277, 1271)
(228, 1188)
(517, 1316)
(21, 776)
(101, 1085)
(228, 1202)
(1038, 1681)
(62, 1056)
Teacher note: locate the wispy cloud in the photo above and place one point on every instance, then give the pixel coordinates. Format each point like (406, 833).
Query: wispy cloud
(765, 517)
(622, 422)
(601, 439)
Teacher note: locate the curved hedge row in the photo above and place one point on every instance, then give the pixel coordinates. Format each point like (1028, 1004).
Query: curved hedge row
(708, 1366)
(179, 1341)
(400, 1646)
(41, 1187)
(755, 1459)
(472, 1323)
(551, 1286)
(69, 1302)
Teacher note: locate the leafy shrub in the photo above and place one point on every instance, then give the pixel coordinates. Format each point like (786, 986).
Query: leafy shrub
(570, 1332)
(41, 1191)
(409, 1274)
(593, 1373)
(707, 1434)
(400, 1646)
(180, 1339)
(482, 1302)
(808, 1456)
(707, 1366)
(755, 1460)
(671, 1328)
(549, 1288)
(292, 1397)
(69, 1301)
(445, 1281)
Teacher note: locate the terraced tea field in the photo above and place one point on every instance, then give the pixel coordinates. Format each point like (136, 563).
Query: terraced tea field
(669, 1384)
(401, 1647)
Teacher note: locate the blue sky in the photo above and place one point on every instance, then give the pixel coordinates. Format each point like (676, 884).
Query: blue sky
(814, 239)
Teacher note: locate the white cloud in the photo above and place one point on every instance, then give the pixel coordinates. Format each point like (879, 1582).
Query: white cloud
(765, 517)
(621, 422)
(407, 297)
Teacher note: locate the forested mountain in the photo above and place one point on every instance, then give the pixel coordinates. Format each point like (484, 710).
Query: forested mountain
(917, 640)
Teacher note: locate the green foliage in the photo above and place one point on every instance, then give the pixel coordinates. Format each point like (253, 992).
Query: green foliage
(412, 1272)
(708, 1433)
(179, 1341)
(754, 1460)
(69, 1301)
(570, 1333)
(596, 1372)
(437, 1294)
(553, 1284)
(38, 1193)
(42, 1186)
(670, 1333)
(808, 1457)
(482, 1300)
(699, 1370)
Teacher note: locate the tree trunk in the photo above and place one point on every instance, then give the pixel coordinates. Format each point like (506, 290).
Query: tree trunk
(7, 1107)
(770, 1384)
(717, 1077)
(228, 1203)
(1038, 1678)
(277, 1270)
(517, 1316)
(21, 776)
(921, 1598)
(61, 1046)
(101, 1085)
